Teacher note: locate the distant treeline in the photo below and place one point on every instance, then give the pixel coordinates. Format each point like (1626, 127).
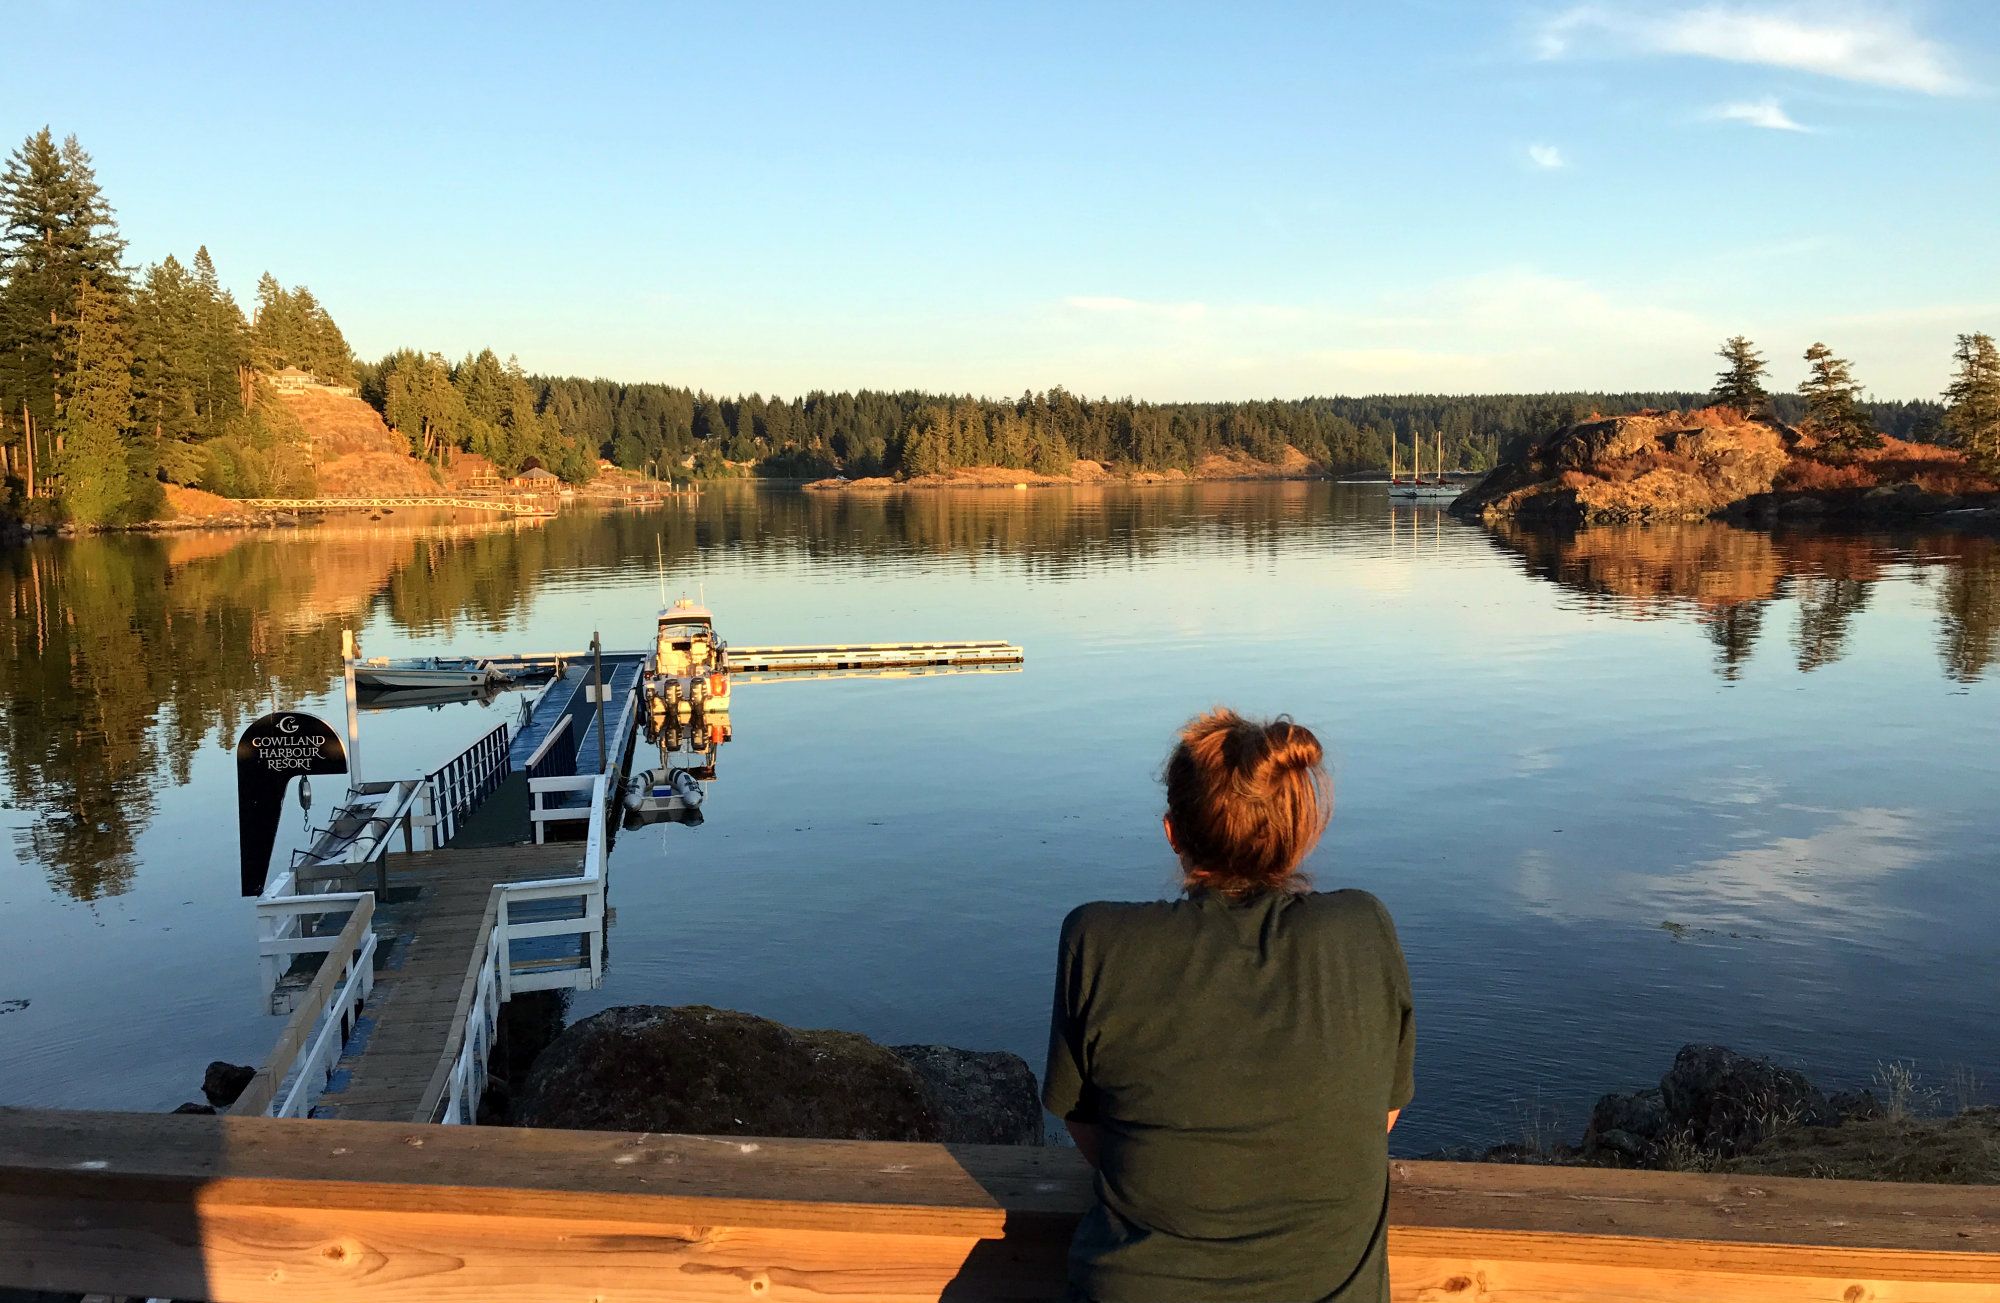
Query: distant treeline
(647, 426)
(115, 381)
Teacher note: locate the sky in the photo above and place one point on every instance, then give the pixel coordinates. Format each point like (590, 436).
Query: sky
(1167, 201)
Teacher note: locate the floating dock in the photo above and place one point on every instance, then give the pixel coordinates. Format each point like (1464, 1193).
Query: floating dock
(821, 657)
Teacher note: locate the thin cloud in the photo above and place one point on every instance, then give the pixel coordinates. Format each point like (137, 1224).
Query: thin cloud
(1766, 113)
(1876, 49)
(1546, 156)
(1136, 307)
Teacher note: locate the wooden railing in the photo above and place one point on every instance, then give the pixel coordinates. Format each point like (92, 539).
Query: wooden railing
(361, 504)
(249, 1210)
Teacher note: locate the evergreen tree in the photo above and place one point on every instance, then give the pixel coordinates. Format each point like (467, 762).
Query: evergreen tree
(1833, 413)
(224, 388)
(1741, 382)
(167, 369)
(275, 333)
(57, 234)
(1972, 414)
(421, 402)
(96, 411)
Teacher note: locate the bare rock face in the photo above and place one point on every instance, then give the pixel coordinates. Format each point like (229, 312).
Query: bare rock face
(223, 1082)
(1727, 1102)
(978, 1098)
(1652, 466)
(695, 1069)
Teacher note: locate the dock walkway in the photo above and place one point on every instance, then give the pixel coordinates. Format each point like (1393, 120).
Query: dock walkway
(428, 934)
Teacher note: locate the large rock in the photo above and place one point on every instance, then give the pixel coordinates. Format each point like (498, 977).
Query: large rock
(1724, 1102)
(1651, 466)
(979, 1098)
(224, 1082)
(694, 1069)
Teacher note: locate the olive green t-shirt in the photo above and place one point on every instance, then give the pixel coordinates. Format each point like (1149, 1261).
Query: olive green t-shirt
(1240, 1057)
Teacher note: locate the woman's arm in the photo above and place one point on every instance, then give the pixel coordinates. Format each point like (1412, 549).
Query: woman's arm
(1089, 1139)
(1394, 1113)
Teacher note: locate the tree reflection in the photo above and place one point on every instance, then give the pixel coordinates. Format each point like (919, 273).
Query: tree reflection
(126, 654)
(1969, 611)
(1727, 577)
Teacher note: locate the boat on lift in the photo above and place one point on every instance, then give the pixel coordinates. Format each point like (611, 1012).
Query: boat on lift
(689, 669)
(383, 672)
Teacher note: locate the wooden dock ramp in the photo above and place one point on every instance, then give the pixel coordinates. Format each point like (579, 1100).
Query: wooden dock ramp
(443, 906)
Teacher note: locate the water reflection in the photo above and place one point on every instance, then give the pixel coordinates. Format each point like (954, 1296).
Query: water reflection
(125, 655)
(1729, 578)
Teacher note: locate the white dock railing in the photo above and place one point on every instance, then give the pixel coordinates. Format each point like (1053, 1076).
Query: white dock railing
(296, 1071)
(426, 811)
(496, 974)
(457, 788)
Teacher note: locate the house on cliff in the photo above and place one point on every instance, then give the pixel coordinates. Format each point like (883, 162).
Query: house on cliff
(291, 380)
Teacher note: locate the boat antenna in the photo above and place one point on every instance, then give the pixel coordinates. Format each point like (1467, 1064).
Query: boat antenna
(660, 559)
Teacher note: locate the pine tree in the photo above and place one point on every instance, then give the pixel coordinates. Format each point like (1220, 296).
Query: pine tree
(226, 377)
(1972, 413)
(167, 369)
(96, 412)
(1741, 382)
(56, 234)
(1833, 414)
(421, 403)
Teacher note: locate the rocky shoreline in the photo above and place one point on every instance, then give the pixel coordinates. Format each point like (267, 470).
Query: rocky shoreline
(694, 1069)
(1713, 464)
(1716, 1110)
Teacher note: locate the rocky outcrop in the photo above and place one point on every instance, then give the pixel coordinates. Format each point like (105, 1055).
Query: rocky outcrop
(224, 1082)
(1713, 1101)
(695, 1069)
(1651, 466)
(978, 1098)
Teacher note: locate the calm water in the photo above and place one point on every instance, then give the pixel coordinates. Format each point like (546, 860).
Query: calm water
(1545, 750)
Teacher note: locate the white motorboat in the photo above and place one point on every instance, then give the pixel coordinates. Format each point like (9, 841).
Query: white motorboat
(689, 671)
(1417, 488)
(427, 672)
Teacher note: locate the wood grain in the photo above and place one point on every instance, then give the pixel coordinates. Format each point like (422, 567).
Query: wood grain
(257, 1209)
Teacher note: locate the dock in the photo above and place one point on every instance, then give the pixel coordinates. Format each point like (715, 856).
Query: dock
(427, 902)
(819, 658)
(388, 1069)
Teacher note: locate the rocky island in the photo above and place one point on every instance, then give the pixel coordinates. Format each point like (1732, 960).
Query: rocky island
(1714, 462)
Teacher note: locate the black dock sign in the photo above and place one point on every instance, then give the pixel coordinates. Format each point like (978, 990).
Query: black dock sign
(270, 754)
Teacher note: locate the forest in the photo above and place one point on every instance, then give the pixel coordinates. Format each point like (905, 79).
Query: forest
(118, 381)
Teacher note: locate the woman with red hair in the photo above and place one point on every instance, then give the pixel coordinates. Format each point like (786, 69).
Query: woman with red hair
(1227, 1060)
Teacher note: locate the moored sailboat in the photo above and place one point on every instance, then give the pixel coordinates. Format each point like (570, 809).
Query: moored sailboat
(1417, 488)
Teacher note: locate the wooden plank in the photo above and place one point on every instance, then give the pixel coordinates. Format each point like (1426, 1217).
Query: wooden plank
(263, 1087)
(256, 1209)
(434, 1092)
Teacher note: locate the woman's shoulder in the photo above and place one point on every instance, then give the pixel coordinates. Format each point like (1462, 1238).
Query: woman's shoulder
(1106, 917)
(1347, 908)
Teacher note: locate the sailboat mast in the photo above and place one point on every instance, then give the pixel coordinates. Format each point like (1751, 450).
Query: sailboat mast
(1439, 461)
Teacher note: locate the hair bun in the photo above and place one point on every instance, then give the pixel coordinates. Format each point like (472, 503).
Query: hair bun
(1289, 747)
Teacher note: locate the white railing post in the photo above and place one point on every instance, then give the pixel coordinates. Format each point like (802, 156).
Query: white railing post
(506, 944)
